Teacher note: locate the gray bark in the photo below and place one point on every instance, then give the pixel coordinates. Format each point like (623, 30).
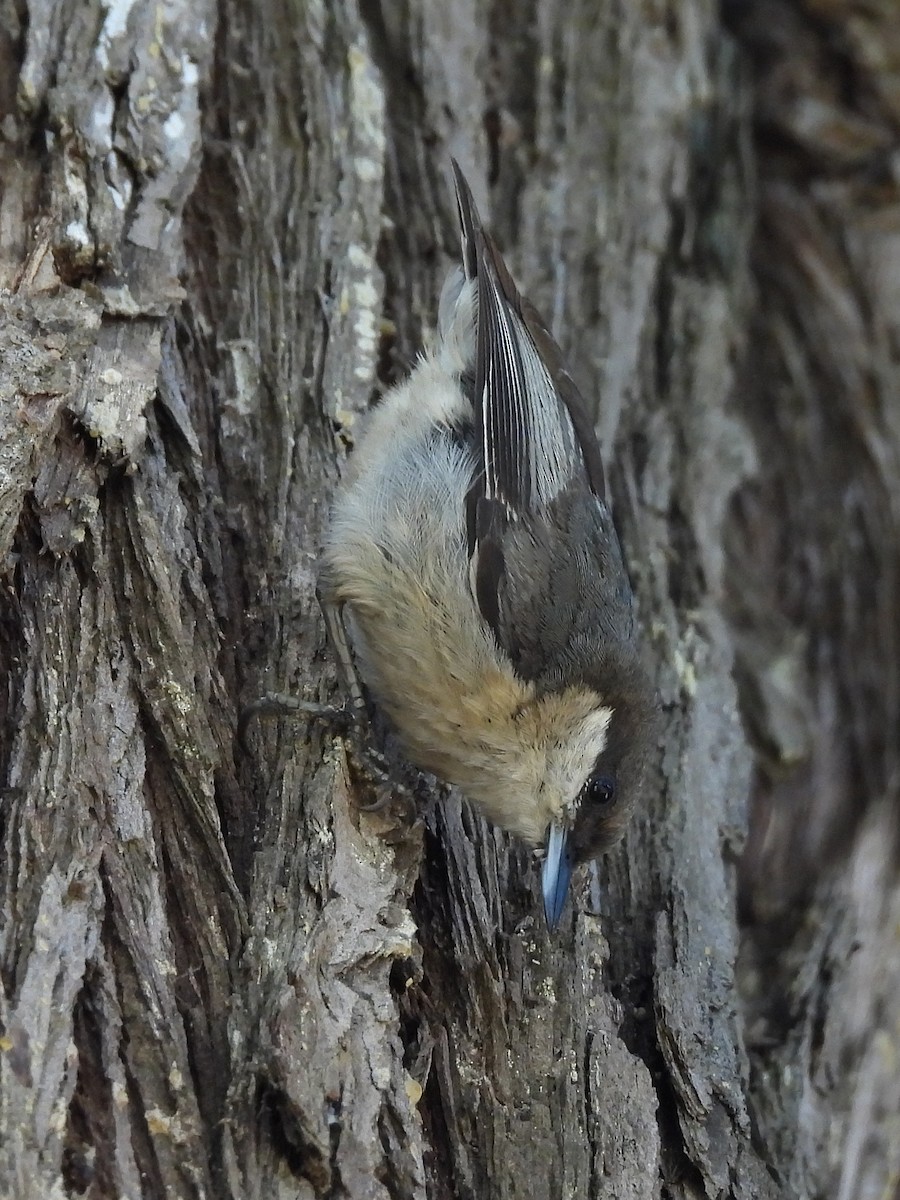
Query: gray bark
(223, 231)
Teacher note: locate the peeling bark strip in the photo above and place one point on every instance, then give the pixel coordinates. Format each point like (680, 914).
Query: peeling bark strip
(222, 229)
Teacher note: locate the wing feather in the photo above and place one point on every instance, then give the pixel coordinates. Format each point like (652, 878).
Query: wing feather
(534, 431)
(537, 445)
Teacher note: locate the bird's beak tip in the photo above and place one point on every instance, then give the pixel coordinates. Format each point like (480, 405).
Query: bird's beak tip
(556, 875)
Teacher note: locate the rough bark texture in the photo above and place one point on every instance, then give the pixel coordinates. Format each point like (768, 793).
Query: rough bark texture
(814, 595)
(222, 232)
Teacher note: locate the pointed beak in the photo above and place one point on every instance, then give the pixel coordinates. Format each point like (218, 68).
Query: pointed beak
(556, 875)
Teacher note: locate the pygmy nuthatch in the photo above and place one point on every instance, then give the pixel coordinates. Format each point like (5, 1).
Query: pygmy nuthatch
(473, 556)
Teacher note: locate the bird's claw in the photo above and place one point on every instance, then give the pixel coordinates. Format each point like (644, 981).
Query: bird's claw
(281, 704)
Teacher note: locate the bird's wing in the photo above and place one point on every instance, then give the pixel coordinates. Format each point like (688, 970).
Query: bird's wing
(534, 437)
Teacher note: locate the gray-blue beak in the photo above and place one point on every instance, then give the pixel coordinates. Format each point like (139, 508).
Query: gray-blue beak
(556, 874)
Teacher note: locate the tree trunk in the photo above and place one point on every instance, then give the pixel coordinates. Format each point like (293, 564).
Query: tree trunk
(222, 235)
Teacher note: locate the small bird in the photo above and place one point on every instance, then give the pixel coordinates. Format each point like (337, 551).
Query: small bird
(473, 561)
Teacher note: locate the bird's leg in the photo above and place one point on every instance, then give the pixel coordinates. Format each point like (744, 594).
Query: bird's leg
(336, 630)
(369, 762)
(351, 719)
(282, 704)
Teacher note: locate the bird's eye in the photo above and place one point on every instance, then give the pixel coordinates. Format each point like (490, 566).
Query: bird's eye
(600, 789)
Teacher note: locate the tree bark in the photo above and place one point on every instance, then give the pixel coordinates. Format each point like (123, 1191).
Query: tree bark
(222, 236)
